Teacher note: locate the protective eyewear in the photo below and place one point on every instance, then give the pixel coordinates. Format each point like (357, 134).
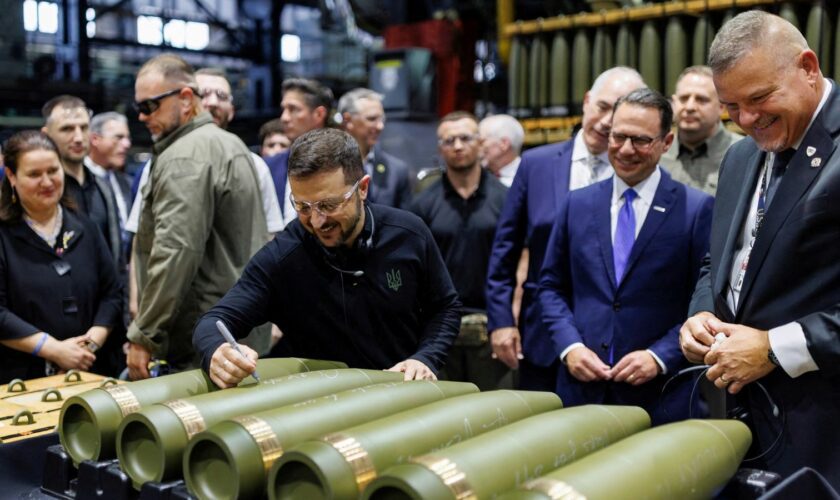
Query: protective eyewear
(327, 207)
(150, 105)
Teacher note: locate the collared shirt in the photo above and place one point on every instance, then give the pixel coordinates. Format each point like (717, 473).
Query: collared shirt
(464, 230)
(90, 200)
(508, 172)
(699, 167)
(787, 341)
(581, 173)
(645, 190)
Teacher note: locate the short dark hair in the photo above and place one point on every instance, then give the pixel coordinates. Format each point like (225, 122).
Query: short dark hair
(13, 149)
(270, 128)
(326, 150)
(314, 94)
(649, 98)
(65, 101)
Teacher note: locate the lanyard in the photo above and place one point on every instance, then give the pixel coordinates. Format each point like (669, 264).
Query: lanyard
(760, 209)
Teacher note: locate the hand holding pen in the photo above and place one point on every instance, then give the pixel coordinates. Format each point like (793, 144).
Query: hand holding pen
(228, 372)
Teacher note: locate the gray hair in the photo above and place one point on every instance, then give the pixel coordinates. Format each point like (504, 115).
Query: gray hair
(750, 30)
(504, 126)
(97, 123)
(616, 72)
(347, 103)
(649, 98)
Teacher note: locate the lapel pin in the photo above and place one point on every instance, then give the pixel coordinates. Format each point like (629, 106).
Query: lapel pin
(380, 168)
(810, 150)
(658, 208)
(816, 162)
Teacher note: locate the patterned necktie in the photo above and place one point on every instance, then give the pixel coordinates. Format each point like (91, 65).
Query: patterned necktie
(596, 166)
(780, 164)
(625, 235)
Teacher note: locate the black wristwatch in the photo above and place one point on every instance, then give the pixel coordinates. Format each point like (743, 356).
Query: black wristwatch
(772, 356)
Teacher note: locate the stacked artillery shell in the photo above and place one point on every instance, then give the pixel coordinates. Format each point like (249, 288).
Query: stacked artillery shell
(231, 460)
(340, 465)
(626, 48)
(505, 458)
(650, 55)
(538, 75)
(818, 32)
(676, 52)
(561, 63)
(581, 67)
(88, 422)
(704, 33)
(151, 442)
(603, 52)
(689, 459)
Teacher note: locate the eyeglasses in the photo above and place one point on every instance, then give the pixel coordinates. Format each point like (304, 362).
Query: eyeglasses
(640, 142)
(221, 95)
(150, 105)
(326, 207)
(450, 141)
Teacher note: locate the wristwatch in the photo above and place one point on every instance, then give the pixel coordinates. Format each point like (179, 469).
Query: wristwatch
(772, 356)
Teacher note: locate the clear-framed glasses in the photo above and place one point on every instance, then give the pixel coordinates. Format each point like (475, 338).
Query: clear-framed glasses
(640, 142)
(450, 141)
(221, 95)
(150, 105)
(325, 207)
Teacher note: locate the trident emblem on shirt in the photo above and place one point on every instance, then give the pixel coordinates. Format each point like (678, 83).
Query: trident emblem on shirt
(394, 279)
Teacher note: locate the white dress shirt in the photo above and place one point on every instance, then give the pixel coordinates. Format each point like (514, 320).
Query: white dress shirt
(508, 172)
(581, 173)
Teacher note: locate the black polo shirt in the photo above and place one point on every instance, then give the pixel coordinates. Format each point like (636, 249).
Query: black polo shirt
(464, 230)
(89, 200)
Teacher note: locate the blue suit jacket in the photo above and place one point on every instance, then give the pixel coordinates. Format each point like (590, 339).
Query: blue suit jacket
(581, 302)
(793, 275)
(278, 165)
(534, 197)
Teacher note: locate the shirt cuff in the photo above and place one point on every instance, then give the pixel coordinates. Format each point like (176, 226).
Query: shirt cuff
(791, 349)
(658, 361)
(567, 350)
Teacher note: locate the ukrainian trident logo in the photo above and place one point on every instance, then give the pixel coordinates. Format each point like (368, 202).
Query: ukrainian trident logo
(394, 279)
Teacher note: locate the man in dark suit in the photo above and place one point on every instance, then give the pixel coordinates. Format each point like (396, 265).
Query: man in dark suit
(110, 141)
(546, 174)
(772, 282)
(620, 267)
(363, 117)
(305, 106)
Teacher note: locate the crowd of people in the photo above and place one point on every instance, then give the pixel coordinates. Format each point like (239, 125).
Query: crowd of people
(600, 268)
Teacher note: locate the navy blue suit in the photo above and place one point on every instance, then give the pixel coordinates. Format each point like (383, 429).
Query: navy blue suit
(534, 197)
(278, 165)
(389, 184)
(793, 275)
(581, 302)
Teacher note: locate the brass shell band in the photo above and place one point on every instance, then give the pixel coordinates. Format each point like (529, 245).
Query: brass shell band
(124, 398)
(554, 489)
(188, 414)
(448, 472)
(356, 456)
(264, 436)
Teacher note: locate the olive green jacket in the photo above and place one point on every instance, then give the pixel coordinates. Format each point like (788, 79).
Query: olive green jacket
(201, 222)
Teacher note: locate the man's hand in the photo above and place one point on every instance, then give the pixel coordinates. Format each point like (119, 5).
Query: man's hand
(636, 368)
(740, 359)
(507, 347)
(697, 336)
(137, 361)
(586, 366)
(413, 370)
(228, 368)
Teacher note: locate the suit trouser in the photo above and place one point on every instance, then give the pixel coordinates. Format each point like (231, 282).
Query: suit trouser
(467, 363)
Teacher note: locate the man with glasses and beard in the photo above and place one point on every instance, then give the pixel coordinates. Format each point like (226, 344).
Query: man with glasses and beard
(201, 218)
(621, 264)
(347, 280)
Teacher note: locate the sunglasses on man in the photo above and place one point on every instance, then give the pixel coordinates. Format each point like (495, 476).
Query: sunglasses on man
(150, 105)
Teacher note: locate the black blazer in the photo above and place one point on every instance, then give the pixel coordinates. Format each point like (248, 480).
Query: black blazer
(793, 275)
(62, 295)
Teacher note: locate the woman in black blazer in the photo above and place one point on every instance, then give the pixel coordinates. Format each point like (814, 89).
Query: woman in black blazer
(59, 296)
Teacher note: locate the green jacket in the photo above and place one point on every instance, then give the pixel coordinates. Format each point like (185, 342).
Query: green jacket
(201, 222)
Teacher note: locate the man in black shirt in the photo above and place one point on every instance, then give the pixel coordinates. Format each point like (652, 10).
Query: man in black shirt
(461, 209)
(346, 281)
(68, 125)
